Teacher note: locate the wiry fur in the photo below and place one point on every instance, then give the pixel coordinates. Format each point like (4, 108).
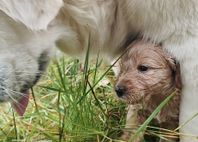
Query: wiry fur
(110, 24)
(147, 89)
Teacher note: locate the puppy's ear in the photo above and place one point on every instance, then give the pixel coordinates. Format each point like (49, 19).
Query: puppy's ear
(175, 67)
(178, 80)
(35, 14)
(171, 62)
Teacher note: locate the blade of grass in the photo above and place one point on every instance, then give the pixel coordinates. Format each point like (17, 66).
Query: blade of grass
(3, 131)
(59, 113)
(15, 127)
(51, 88)
(61, 73)
(63, 125)
(33, 95)
(97, 65)
(98, 102)
(182, 125)
(86, 68)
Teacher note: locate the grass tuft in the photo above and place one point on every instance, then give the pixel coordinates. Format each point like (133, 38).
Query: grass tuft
(72, 103)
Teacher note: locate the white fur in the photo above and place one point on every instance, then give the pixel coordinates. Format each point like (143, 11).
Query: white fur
(173, 23)
(20, 50)
(34, 14)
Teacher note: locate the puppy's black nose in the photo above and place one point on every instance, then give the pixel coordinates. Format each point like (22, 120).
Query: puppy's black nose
(120, 90)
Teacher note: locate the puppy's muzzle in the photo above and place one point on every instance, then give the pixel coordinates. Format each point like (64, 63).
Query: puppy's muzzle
(120, 90)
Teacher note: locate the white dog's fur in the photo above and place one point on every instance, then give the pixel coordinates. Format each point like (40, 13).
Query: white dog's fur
(109, 24)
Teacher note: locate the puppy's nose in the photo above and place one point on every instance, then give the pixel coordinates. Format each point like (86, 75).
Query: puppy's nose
(120, 90)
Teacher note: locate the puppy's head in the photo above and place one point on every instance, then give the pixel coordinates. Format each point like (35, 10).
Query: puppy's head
(145, 70)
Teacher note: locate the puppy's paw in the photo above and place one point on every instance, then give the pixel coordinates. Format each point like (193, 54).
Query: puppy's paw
(125, 136)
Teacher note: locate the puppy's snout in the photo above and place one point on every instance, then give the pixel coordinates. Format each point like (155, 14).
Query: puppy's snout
(120, 90)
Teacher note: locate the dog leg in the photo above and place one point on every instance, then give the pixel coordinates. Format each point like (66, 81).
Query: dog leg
(187, 54)
(132, 123)
(189, 107)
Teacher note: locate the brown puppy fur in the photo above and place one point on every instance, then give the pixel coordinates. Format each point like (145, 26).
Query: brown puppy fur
(147, 76)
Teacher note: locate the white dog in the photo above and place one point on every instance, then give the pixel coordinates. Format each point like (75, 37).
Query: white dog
(28, 28)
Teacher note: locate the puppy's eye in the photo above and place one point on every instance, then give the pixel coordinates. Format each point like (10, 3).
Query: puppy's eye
(142, 68)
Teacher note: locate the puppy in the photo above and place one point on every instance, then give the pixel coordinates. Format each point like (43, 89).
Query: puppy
(147, 76)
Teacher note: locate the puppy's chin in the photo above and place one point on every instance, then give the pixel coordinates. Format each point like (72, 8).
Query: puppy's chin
(131, 98)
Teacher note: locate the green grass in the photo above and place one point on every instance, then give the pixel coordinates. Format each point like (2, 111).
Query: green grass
(70, 103)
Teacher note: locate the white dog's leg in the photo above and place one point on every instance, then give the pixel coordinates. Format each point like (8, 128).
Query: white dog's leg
(189, 102)
(187, 54)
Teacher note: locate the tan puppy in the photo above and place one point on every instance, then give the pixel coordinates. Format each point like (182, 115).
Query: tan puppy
(147, 76)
